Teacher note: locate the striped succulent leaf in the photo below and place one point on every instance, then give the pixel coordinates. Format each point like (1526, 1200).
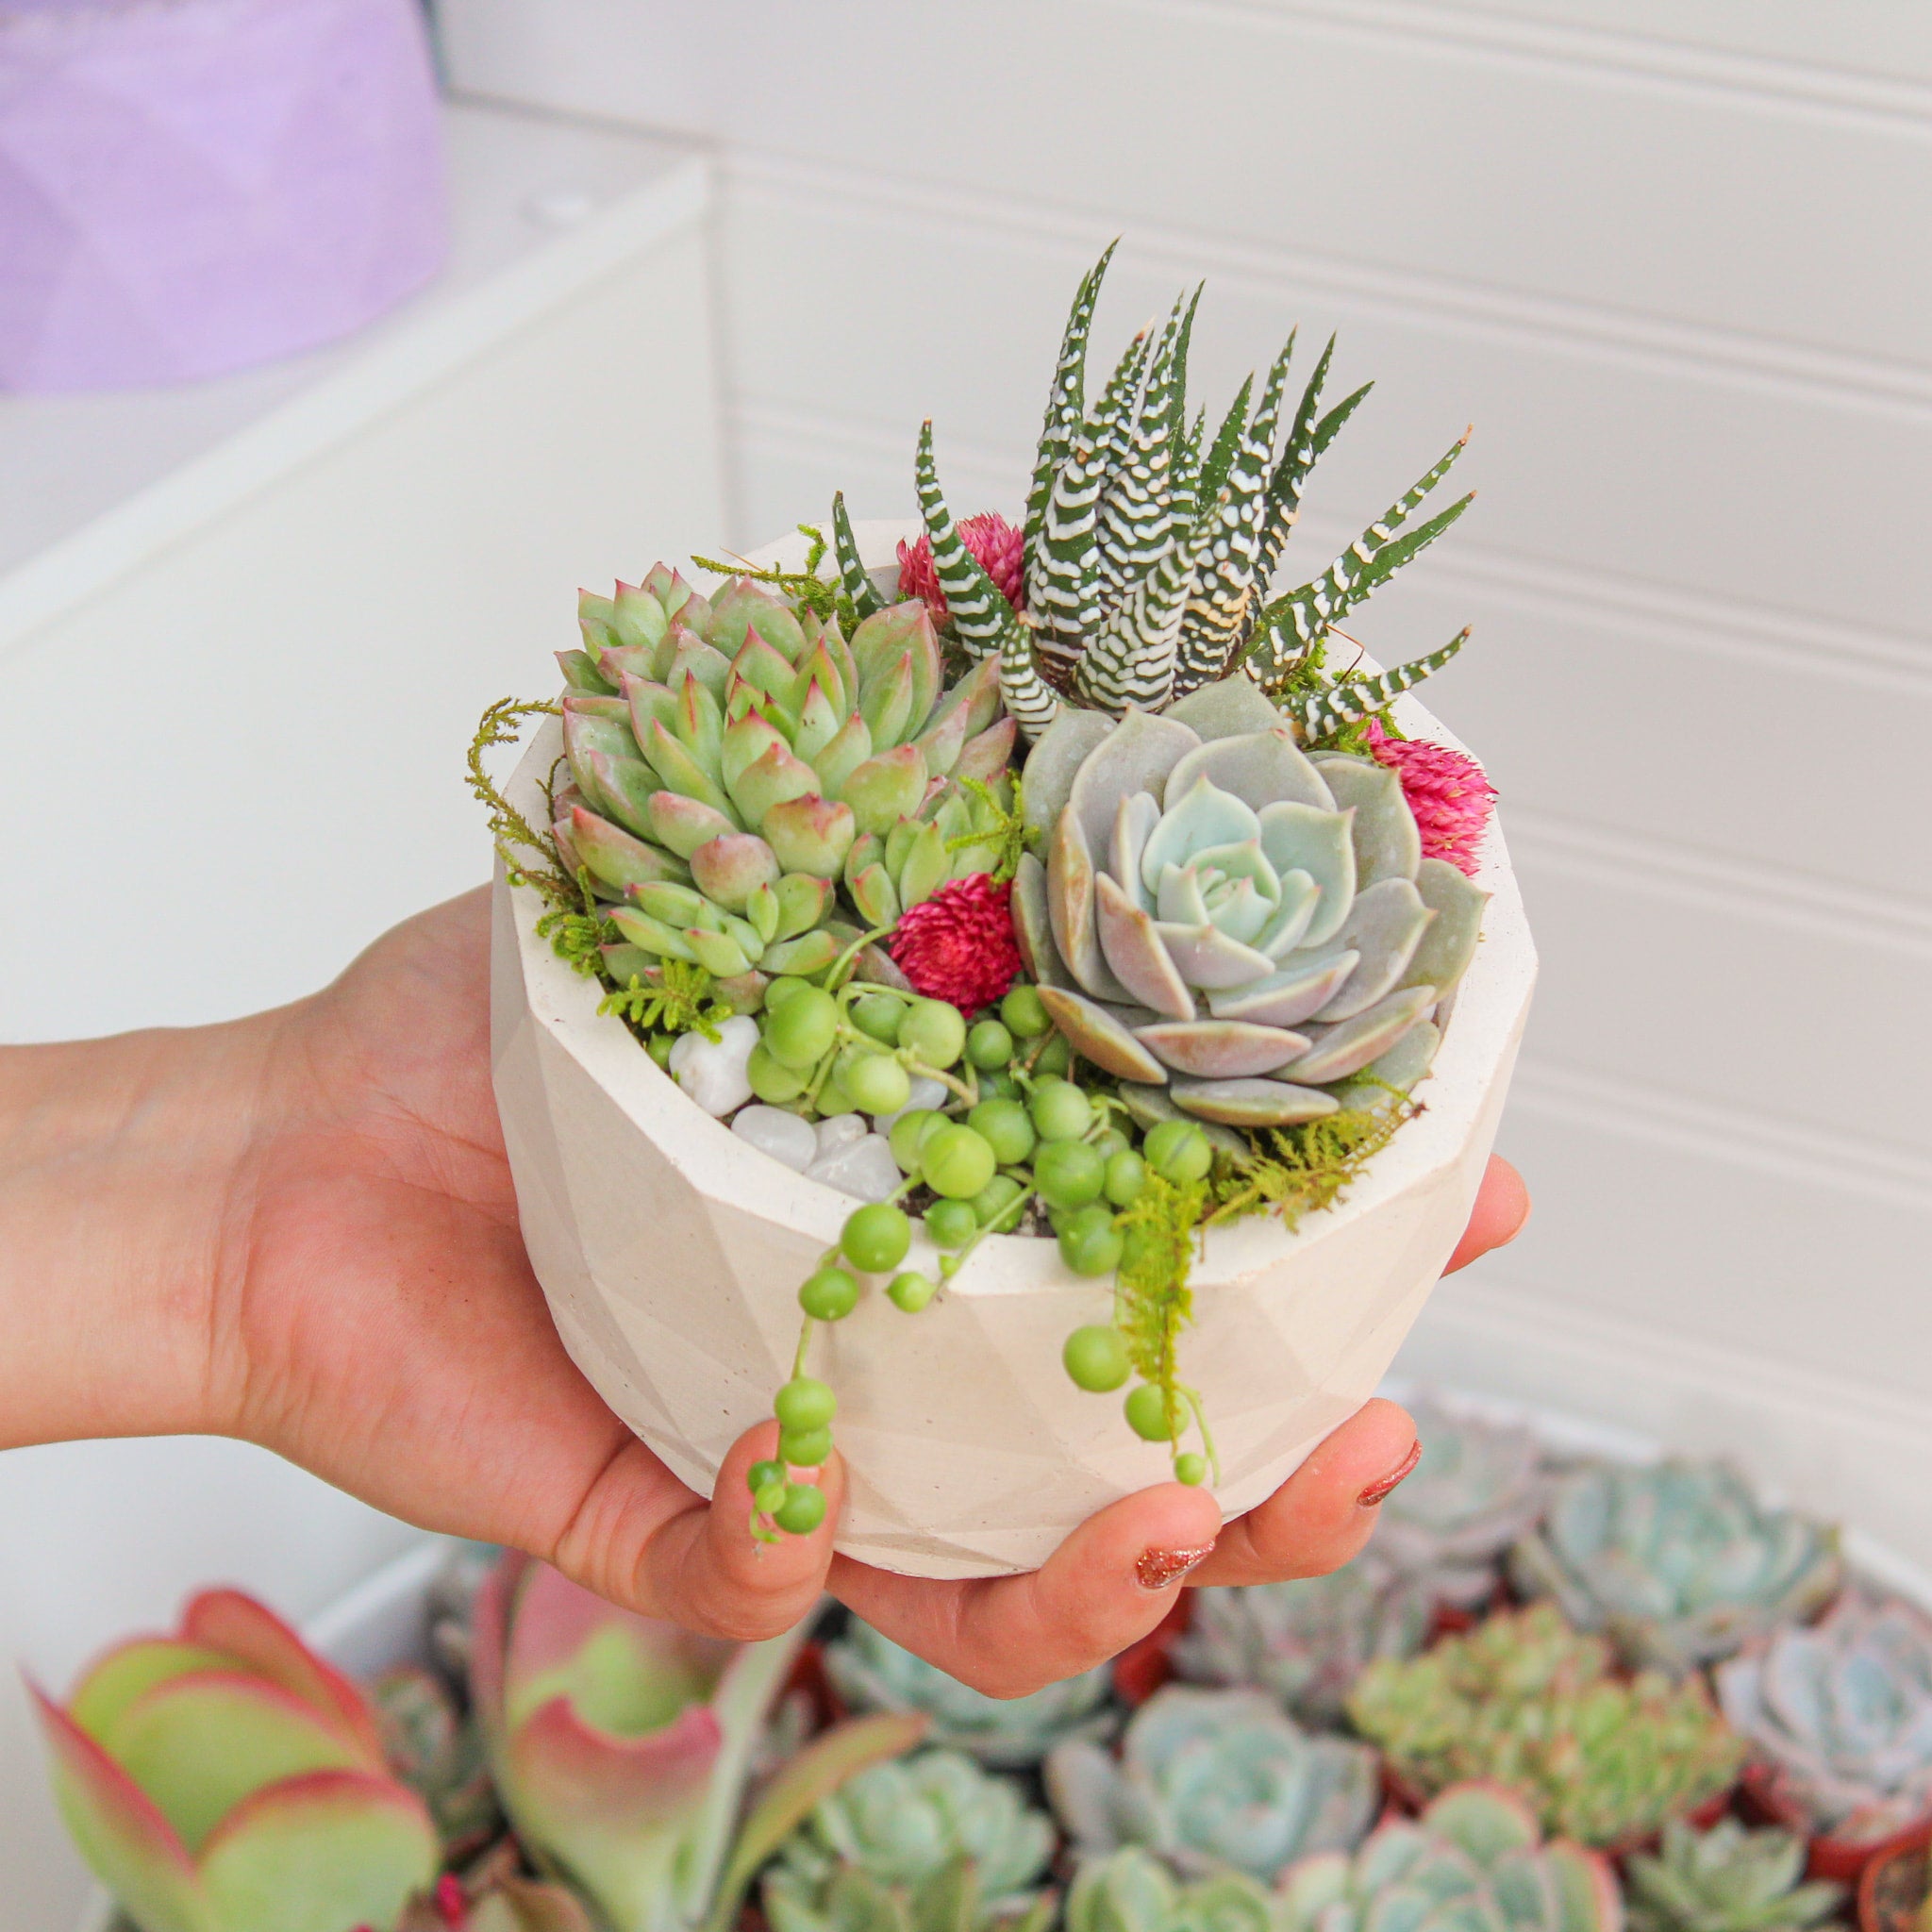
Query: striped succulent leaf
(1224, 588)
(1219, 459)
(1308, 435)
(1319, 713)
(853, 575)
(1187, 469)
(1066, 407)
(1135, 508)
(980, 615)
(1066, 606)
(1291, 625)
(1134, 659)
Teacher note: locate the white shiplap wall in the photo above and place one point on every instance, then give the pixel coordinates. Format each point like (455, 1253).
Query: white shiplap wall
(1671, 260)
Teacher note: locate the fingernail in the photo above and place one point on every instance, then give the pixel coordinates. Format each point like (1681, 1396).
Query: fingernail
(1162, 1569)
(1380, 1492)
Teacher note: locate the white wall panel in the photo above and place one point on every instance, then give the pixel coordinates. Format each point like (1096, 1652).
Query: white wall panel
(1329, 130)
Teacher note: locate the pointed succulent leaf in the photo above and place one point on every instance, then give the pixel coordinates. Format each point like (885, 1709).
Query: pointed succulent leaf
(771, 778)
(1210, 958)
(1029, 699)
(1386, 843)
(1096, 1035)
(853, 575)
(680, 769)
(623, 789)
(1448, 943)
(1384, 926)
(648, 704)
(1287, 997)
(698, 723)
(746, 740)
(1259, 768)
(1055, 763)
(585, 733)
(809, 953)
(637, 617)
(1033, 926)
(743, 607)
(611, 855)
(667, 586)
(886, 703)
(976, 607)
(762, 913)
(1135, 955)
(681, 825)
(1137, 754)
(977, 694)
(810, 834)
(718, 954)
(1252, 1102)
(875, 894)
(899, 843)
(651, 935)
(819, 721)
(1136, 511)
(1066, 405)
(847, 752)
(928, 866)
(1133, 821)
(988, 755)
(1133, 660)
(763, 667)
(803, 898)
(1070, 875)
(886, 787)
(728, 869)
(675, 905)
(580, 673)
(686, 655)
(1195, 819)
(1219, 1049)
(1322, 712)
(1347, 1047)
(942, 743)
(578, 703)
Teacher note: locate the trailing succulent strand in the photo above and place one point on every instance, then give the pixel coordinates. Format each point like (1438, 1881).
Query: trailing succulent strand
(1150, 547)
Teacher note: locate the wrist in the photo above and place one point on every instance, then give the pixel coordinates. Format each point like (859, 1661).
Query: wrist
(121, 1192)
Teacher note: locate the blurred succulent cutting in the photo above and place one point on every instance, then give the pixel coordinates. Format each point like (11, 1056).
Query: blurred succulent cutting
(1679, 1563)
(1528, 1702)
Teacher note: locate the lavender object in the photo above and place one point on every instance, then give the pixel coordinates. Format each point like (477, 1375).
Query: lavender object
(189, 187)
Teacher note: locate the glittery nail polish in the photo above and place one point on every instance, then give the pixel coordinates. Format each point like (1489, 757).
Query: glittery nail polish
(1380, 1490)
(1162, 1569)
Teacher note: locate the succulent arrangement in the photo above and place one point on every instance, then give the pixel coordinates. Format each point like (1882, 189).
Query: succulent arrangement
(1528, 1702)
(1676, 1562)
(553, 1764)
(1839, 1717)
(1054, 886)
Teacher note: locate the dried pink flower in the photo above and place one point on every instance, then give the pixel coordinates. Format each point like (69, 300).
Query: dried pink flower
(1447, 791)
(999, 549)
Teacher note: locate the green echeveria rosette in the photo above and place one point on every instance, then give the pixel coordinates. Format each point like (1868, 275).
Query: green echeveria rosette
(925, 1841)
(1221, 916)
(1304, 1642)
(872, 1673)
(729, 756)
(1215, 1781)
(1727, 1879)
(1475, 1861)
(1840, 1717)
(1679, 1563)
(1527, 1702)
(1131, 1890)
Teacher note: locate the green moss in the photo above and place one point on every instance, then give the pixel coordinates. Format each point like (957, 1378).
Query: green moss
(1301, 1170)
(678, 1000)
(805, 588)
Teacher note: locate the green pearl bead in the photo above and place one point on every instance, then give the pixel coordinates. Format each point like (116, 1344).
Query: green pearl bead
(805, 1403)
(830, 1296)
(1095, 1358)
(1190, 1469)
(761, 1475)
(805, 1448)
(1146, 1410)
(803, 1509)
(911, 1290)
(1023, 1012)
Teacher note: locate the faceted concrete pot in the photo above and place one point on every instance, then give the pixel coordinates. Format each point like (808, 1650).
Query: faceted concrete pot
(189, 187)
(672, 1251)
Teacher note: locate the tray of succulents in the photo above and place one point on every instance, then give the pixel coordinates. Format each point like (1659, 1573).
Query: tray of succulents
(1028, 1002)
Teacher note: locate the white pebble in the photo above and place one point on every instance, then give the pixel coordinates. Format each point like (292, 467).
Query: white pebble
(714, 1071)
(865, 1170)
(841, 1131)
(926, 1091)
(781, 1135)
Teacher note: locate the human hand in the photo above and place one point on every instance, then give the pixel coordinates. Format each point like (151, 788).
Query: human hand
(355, 1296)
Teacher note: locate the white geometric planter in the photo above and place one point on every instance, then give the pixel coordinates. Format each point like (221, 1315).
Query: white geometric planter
(671, 1251)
